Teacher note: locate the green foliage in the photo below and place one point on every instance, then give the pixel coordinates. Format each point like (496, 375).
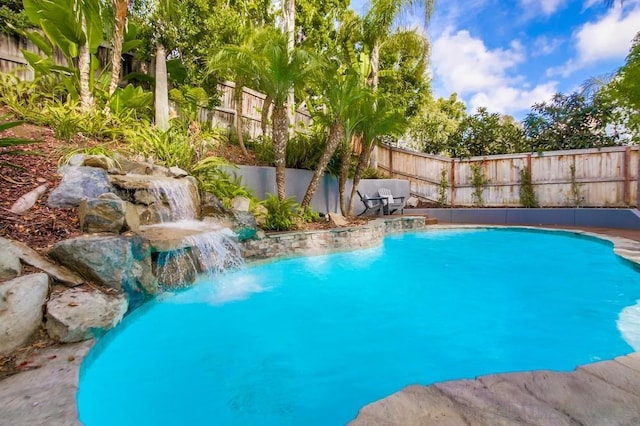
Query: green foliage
(479, 182)
(131, 100)
(371, 173)
(575, 190)
(443, 188)
(568, 122)
(527, 194)
(281, 214)
(189, 101)
(106, 149)
(9, 141)
(12, 17)
(436, 123)
(307, 214)
(303, 151)
(214, 179)
(622, 95)
(485, 133)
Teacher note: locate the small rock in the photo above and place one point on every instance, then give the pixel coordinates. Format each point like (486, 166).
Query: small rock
(78, 314)
(76, 160)
(240, 204)
(79, 183)
(131, 217)
(27, 201)
(21, 301)
(337, 219)
(101, 161)
(109, 196)
(260, 212)
(10, 266)
(143, 196)
(102, 215)
(177, 172)
(159, 170)
(412, 202)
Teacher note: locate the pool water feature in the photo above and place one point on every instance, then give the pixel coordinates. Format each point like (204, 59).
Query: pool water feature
(311, 340)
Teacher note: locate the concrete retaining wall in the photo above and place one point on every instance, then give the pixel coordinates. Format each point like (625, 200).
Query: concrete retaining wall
(606, 218)
(329, 240)
(262, 180)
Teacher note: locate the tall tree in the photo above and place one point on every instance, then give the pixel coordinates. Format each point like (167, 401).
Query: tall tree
(164, 14)
(278, 72)
(338, 107)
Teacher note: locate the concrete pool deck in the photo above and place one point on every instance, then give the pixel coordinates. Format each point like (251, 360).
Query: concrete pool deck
(603, 393)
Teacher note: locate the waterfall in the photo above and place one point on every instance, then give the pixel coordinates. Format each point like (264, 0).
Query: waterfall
(186, 247)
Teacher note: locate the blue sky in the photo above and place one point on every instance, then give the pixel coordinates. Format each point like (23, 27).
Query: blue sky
(507, 55)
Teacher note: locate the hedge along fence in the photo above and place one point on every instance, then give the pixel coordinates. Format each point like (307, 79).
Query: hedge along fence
(11, 58)
(598, 177)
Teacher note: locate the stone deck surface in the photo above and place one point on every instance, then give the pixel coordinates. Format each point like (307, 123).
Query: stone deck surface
(604, 393)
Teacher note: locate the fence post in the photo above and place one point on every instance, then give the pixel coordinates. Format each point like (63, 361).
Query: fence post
(390, 160)
(626, 190)
(452, 179)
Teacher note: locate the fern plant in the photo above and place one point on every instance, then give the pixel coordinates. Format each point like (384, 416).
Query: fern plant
(9, 141)
(281, 214)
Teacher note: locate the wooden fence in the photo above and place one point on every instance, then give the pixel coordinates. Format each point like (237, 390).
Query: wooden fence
(12, 59)
(605, 177)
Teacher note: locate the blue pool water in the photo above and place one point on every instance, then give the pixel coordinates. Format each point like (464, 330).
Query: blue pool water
(311, 340)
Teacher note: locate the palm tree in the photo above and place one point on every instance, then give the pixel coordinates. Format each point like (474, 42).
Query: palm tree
(164, 15)
(339, 101)
(379, 118)
(377, 26)
(120, 8)
(277, 72)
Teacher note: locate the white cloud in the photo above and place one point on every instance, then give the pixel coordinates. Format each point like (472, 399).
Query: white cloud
(544, 45)
(464, 64)
(507, 99)
(548, 7)
(608, 38)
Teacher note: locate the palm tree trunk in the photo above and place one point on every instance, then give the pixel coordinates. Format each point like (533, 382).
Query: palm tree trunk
(375, 63)
(363, 161)
(336, 134)
(344, 177)
(84, 68)
(120, 8)
(162, 91)
(280, 137)
(238, 92)
(290, 29)
(264, 114)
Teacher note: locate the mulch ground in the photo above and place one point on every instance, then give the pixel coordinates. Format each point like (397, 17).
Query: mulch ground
(40, 226)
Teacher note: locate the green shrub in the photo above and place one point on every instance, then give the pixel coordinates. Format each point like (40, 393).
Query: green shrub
(212, 178)
(479, 182)
(308, 215)
(281, 214)
(443, 188)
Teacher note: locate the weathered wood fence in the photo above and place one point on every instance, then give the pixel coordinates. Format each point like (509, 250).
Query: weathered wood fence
(12, 59)
(605, 177)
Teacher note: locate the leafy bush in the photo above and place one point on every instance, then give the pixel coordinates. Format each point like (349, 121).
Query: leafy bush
(12, 142)
(307, 214)
(303, 151)
(212, 178)
(479, 181)
(281, 214)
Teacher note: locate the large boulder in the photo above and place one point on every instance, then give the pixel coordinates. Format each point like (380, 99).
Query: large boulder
(78, 183)
(21, 301)
(103, 214)
(212, 206)
(118, 261)
(10, 266)
(79, 314)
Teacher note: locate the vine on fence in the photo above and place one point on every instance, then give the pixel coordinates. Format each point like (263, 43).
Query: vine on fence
(575, 192)
(527, 194)
(443, 187)
(479, 182)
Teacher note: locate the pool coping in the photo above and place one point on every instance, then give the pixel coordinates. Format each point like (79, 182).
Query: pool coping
(48, 394)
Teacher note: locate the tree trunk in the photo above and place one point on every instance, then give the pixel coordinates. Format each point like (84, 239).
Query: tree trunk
(264, 114)
(344, 177)
(375, 68)
(363, 161)
(162, 90)
(120, 7)
(84, 68)
(238, 92)
(336, 135)
(289, 14)
(280, 137)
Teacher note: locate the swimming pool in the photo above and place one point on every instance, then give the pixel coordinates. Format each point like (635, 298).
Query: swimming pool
(311, 340)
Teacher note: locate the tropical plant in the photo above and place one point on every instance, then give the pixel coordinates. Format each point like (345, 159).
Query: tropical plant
(75, 28)
(281, 213)
(379, 118)
(479, 182)
(443, 188)
(277, 73)
(11, 142)
(339, 103)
